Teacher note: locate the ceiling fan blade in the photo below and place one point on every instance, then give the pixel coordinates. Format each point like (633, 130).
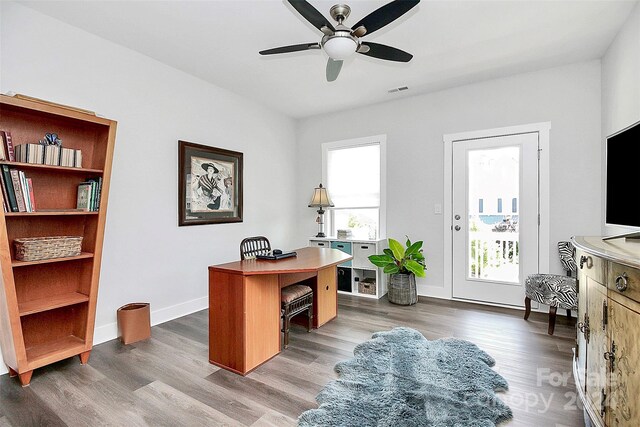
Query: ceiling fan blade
(333, 69)
(382, 51)
(311, 14)
(292, 48)
(386, 14)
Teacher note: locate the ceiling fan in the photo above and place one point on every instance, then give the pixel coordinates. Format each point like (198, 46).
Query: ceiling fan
(340, 42)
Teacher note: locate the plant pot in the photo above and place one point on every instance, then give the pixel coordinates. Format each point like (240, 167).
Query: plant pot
(402, 289)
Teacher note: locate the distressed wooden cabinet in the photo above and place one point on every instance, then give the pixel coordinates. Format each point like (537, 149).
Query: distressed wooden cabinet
(47, 307)
(607, 356)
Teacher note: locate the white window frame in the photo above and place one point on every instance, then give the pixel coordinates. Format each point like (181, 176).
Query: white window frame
(380, 140)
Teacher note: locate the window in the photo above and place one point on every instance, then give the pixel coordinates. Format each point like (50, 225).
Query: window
(480, 205)
(499, 205)
(355, 179)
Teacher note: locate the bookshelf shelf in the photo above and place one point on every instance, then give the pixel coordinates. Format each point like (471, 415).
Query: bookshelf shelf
(48, 307)
(51, 213)
(57, 169)
(49, 352)
(83, 255)
(50, 303)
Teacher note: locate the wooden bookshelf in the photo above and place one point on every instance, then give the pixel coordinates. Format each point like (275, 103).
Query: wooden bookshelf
(47, 307)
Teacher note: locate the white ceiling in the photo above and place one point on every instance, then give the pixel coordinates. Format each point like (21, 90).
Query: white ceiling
(453, 43)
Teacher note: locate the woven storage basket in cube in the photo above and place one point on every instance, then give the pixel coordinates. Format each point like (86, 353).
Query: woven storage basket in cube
(38, 248)
(367, 286)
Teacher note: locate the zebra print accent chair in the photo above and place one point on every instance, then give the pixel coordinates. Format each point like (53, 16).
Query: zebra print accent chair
(554, 290)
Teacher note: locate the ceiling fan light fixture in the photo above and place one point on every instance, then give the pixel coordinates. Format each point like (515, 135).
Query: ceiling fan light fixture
(340, 46)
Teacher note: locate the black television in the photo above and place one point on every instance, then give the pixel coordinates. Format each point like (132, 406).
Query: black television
(622, 179)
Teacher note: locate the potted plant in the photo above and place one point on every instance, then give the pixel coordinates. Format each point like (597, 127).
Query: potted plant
(402, 264)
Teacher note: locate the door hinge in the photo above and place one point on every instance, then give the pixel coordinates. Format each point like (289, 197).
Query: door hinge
(603, 403)
(605, 315)
(539, 150)
(538, 219)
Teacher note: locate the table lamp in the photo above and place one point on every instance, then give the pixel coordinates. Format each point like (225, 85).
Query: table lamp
(320, 200)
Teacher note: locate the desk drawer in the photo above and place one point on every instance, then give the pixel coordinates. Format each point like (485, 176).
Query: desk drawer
(344, 247)
(591, 265)
(628, 280)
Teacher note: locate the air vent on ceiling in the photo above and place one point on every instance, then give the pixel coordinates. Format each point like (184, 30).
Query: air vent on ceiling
(398, 89)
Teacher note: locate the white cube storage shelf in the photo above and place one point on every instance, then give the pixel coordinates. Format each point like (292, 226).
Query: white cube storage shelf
(359, 268)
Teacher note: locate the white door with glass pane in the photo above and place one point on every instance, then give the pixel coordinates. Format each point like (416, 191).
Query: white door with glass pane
(495, 217)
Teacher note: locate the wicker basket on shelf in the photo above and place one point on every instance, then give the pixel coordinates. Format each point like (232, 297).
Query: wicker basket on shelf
(38, 248)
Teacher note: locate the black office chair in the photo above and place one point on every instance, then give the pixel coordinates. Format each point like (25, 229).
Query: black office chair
(294, 299)
(252, 246)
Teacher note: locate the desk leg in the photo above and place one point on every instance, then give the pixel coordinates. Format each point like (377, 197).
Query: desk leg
(326, 297)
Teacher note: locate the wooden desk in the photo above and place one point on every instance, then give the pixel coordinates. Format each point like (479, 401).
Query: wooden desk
(244, 304)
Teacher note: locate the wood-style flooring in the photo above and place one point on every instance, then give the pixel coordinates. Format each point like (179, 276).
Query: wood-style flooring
(168, 381)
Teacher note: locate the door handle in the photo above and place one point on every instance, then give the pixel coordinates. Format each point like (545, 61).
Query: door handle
(457, 228)
(457, 217)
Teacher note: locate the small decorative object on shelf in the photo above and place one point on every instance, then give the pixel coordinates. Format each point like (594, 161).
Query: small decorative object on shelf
(344, 234)
(51, 139)
(39, 248)
(402, 265)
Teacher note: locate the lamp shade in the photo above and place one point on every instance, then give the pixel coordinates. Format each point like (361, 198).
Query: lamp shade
(320, 198)
(340, 47)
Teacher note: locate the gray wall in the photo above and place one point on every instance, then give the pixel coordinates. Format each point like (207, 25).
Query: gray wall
(147, 257)
(568, 97)
(621, 88)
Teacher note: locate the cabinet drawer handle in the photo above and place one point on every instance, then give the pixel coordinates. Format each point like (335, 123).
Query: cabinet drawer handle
(585, 260)
(364, 247)
(622, 282)
(340, 246)
(327, 287)
(320, 244)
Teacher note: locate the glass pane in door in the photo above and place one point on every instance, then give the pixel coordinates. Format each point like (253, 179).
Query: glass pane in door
(494, 184)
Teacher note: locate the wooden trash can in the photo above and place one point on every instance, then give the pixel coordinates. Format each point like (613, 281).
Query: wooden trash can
(134, 322)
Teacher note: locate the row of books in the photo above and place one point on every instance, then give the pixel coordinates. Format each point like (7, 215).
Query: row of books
(48, 155)
(17, 191)
(39, 154)
(89, 195)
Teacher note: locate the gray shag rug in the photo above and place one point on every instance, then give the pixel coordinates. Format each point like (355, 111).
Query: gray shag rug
(398, 378)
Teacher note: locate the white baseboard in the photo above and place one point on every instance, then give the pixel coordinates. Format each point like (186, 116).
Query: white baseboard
(110, 331)
(433, 291)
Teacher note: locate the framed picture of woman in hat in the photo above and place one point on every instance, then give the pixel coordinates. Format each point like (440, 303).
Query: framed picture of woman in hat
(210, 184)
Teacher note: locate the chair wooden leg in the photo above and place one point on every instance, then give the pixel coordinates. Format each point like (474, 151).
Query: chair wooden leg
(527, 307)
(552, 319)
(310, 318)
(569, 314)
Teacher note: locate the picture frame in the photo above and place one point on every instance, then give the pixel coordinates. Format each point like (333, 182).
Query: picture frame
(209, 184)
